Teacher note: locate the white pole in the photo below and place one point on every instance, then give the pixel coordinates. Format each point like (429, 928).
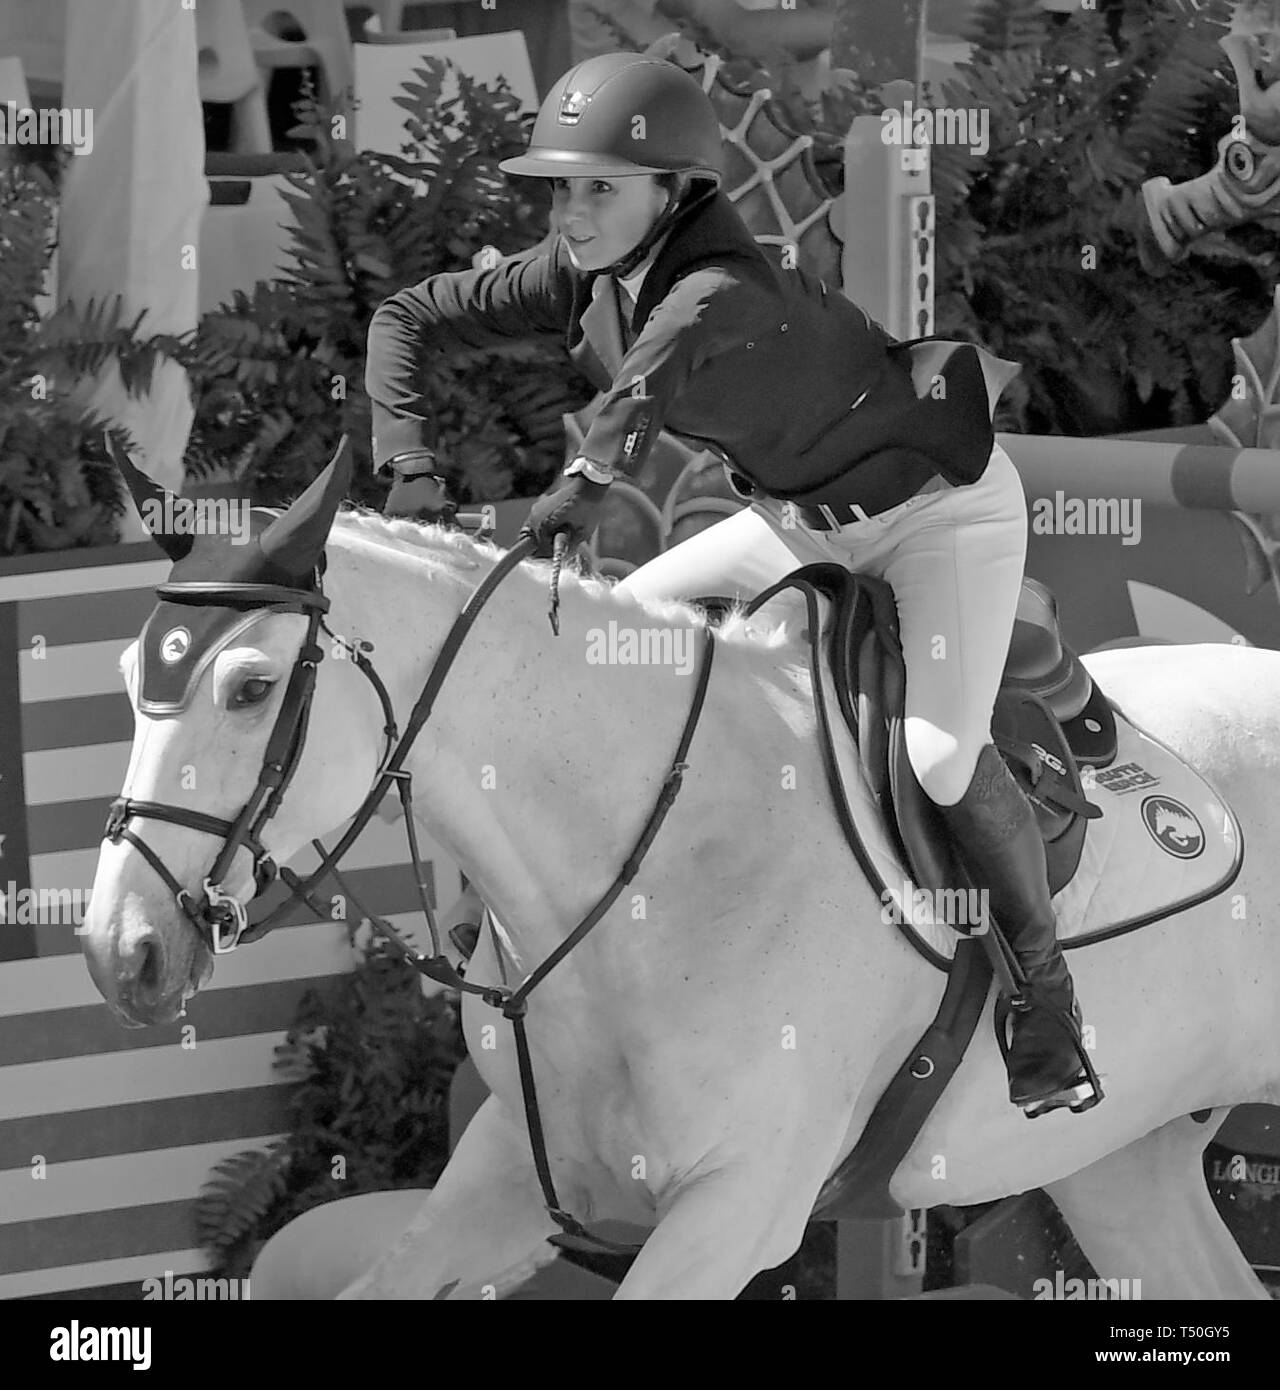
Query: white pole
(132, 204)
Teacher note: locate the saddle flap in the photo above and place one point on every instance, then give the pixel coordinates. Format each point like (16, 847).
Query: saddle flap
(869, 677)
(867, 666)
(1036, 644)
(1039, 661)
(1032, 743)
(1092, 734)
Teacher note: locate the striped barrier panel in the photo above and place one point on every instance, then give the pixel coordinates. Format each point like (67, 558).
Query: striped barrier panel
(107, 1134)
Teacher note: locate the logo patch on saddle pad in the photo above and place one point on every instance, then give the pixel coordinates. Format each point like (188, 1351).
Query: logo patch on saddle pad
(1173, 827)
(1124, 777)
(1144, 858)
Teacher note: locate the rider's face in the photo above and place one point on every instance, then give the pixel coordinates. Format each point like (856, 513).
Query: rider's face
(602, 219)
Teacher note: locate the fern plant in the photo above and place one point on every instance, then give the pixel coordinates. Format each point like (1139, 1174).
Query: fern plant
(371, 1059)
(277, 374)
(57, 486)
(1038, 238)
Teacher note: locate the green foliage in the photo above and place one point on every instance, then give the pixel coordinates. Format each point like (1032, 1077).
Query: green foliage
(370, 1060)
(240, 1192)
(1038, 246)
(1011, 26)
(57, 487)
(279, 372)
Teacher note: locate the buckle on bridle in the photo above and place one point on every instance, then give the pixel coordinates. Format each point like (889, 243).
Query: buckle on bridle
(117, 817)
(223, 911)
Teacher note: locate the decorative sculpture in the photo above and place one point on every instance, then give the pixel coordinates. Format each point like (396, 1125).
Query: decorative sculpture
(1244, 185)
(1250, 419)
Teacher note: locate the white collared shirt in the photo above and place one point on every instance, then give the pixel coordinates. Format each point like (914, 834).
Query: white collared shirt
(632, 284)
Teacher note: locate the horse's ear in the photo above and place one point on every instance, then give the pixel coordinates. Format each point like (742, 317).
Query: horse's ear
(154, 503)
(295, 541)
(665, 47)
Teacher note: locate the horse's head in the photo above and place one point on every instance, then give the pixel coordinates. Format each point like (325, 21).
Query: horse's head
(233, 743)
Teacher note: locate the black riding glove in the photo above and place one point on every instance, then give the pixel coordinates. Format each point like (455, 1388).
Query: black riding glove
(573, 508)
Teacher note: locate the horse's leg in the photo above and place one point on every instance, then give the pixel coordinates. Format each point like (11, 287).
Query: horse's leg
(485, 1217)
(320, 1252)
(1144, 1212)
(722, 1229)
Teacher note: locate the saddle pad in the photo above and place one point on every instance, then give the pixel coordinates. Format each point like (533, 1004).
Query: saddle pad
(1165, 841)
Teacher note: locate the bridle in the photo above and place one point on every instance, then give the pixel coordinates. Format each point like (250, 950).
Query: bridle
(220, 917)
(222, 920)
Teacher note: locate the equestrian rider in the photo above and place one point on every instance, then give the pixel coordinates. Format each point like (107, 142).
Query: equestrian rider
(684, 322)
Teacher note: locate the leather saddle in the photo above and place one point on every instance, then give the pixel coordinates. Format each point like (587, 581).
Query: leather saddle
(1050, 719)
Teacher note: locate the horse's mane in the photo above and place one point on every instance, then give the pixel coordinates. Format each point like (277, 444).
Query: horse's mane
(451, 554)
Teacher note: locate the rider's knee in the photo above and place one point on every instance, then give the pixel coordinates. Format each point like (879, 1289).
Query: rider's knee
(943, 764)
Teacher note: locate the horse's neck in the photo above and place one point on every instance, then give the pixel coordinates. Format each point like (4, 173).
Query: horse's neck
(538, 766)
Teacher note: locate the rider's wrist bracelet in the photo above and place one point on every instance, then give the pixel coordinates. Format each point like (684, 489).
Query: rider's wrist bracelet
(591, 470)
(413, 463)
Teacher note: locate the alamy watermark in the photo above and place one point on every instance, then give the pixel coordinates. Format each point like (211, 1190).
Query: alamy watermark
(1061, 1288)
(28, 907)
(182, 1288)
(943, 125)
(620, 645)
(75, 1343)
(51, 126)
(199, 516)
(1061, 515)
(922, 907)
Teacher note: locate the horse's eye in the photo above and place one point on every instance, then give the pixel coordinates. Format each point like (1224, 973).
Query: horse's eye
(252, 692)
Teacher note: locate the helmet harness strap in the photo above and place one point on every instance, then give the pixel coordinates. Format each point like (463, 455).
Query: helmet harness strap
(681, 205)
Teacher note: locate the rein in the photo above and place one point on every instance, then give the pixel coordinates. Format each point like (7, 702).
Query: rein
(219, 912)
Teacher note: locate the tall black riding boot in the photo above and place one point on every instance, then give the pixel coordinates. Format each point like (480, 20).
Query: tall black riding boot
(999, 842)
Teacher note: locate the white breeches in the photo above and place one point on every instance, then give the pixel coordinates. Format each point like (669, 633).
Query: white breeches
(954, 559)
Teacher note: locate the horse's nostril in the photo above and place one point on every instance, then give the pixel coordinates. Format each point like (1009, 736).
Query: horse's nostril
(149, 962)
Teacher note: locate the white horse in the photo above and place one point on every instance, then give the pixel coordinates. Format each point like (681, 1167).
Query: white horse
(711, 1051)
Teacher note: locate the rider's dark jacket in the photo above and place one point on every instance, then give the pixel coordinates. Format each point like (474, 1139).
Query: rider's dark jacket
(804, 394)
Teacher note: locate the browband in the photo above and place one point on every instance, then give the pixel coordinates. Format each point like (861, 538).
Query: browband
(209, 591)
